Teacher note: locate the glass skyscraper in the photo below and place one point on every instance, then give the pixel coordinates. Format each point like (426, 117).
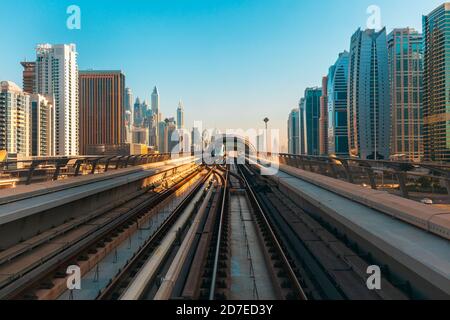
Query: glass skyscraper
(301, 127)
(323, 121)
(337, 106)
(311, 120)
(406, 76)
(369, 95)
(294, 132)
(436, 84)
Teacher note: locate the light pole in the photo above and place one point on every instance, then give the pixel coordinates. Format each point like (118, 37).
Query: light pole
(266, 121)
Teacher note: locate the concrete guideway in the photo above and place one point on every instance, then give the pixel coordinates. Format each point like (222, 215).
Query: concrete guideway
(420, 257)
(32, 209)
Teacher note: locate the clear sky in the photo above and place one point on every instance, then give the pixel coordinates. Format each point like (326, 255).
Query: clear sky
(232, 62)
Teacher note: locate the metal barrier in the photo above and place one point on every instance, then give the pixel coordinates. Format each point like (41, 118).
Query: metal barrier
(407, 179)
(55, 168)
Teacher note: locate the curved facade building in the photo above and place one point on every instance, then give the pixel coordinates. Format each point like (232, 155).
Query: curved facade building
(337, 106)
(369, 95)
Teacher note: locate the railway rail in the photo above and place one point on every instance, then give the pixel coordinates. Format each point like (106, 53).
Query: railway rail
(52, 251)
(141, 273)
(322, 263)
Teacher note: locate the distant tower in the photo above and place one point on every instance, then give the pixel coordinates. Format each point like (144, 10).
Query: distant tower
(29, 76)
(294, 131)
(337, 106)
(157, 114)
(311, 120)
(323, 120)
(129, 106)
(137, 113)
(180, 115)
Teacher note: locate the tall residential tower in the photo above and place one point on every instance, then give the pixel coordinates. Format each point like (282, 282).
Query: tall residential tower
(369, 95)
(406, 76)
(436, 84)
(57, 77)
(337, 106)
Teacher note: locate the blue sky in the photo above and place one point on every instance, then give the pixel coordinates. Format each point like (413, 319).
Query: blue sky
(232, 62)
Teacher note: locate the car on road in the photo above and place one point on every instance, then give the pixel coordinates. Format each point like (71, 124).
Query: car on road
(427, 201)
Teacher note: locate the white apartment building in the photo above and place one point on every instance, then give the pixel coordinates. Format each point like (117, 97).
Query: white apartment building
(42, 126)
(15, 120)
(57, 76)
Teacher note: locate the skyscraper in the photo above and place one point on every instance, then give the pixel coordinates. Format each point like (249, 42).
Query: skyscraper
(15, 119)
(294, 132)
(161, 130)
(29, 76)
(406, 76)
(369, 95)
(337, 106)
(57, 77)
(138, 117)
(323, 121)
(180, 116)
(301, 127)
(42, 126)
(157, 114)
(129, 107)
(171, 136)
(102, 108)
(311, 120)
(436, 84)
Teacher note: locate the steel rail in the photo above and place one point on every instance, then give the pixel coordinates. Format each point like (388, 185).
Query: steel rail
(219, 236)
(20, 282)
(289, 269)
(110, 289)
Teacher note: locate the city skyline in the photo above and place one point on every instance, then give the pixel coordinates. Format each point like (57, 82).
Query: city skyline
(189, 62)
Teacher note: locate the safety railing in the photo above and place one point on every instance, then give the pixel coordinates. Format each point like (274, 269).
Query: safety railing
(26, 172)
(425, 181)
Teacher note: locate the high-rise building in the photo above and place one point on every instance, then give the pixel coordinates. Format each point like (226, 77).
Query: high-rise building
(138, 116)
(42, 126)
(157, 113)
(171, 136)
(311, 120)
(15, 120)
(301, 127)
(29, 76)
(102, 108)
(337, 106)
(139, 135)
(406, 76)
(161, 131)
(57, 77)
(323, 120)
(294, 132)
(196, 140)
(128, 107)
(180, 115)
(436, 84)
(369, 95)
